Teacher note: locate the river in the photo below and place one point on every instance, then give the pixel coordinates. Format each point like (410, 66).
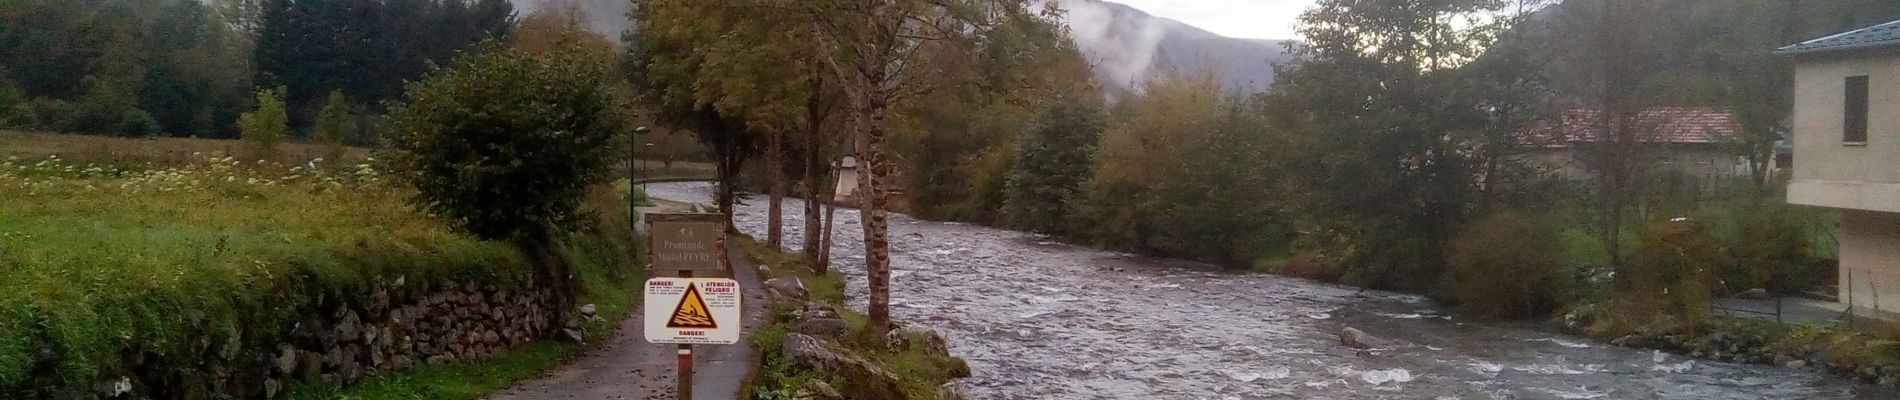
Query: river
(1038, 319)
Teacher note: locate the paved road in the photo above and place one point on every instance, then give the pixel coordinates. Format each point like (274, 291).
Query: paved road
(627, 367)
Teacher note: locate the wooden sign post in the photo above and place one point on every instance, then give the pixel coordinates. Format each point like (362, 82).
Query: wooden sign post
(680, 245)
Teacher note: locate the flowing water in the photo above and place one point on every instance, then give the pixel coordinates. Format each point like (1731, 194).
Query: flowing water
(1043, 320)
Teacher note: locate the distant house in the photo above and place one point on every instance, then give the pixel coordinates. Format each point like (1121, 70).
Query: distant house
(1847, 142)
(1694, 141)
(846, 190)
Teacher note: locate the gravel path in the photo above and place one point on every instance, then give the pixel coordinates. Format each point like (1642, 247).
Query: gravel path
(627, 367)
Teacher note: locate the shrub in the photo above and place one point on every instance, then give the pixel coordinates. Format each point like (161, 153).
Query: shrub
(335, 125)
(505, 142)
(1672, 271)
(1508, 265)
(110, 107)
(46, 114)
(1771, 250)
(11, 101)
(266, 124)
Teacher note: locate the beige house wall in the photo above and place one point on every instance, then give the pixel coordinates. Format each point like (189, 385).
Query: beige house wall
(1870, 261)
(1829, 172)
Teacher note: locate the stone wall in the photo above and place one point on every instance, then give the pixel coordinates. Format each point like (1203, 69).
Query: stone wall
(342, 340)
(453, 324)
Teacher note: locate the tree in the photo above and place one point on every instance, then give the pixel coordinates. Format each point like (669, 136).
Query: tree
(1053, 159)
(267, 124)
(366, 48)
(1390, 172)
(504, 143)
(1624, 133)
(720, 69)
(335, 125)
(872, 48)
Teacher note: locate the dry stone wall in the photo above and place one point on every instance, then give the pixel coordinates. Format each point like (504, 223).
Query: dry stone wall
(342, 340)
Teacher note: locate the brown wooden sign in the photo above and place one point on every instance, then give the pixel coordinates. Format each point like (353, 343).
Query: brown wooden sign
(686, 242)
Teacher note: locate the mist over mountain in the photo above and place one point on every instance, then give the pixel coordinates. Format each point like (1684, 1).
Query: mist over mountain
(608, 17)
(1130, 47)
(1127, 46)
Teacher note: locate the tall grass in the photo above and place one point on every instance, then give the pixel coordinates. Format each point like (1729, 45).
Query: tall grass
(199, 263)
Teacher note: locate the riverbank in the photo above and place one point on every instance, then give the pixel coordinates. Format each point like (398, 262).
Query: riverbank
(1864, 356)
(1038, 319)
(814, 347)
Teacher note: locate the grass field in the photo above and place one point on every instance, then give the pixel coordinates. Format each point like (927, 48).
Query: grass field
(157, 151)
(115, 247)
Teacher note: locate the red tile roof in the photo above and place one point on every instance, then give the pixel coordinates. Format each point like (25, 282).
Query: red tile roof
(1675, 125)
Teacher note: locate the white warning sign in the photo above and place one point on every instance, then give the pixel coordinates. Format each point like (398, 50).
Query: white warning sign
(692, 310)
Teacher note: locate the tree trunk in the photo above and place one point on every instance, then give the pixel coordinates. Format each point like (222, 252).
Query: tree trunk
(775, 183)
(815, 172)
(877, 248)
(831, 212)
(728, 177)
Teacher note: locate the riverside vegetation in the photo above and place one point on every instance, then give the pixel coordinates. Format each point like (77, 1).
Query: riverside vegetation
(815, 347)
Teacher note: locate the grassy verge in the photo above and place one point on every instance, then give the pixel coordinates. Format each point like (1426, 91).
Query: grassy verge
(604, 283)
(108, 270)
(920, 373)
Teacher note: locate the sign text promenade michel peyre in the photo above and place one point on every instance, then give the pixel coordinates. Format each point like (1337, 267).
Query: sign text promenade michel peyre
(685, 242)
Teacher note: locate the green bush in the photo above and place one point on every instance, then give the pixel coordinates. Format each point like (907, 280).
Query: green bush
(266, 124)
(110, 108)
(1508, 265)
(1672, 272)
(46, 114)
(1771, 250)
(10, 101)
(335, 125)
(505, 142)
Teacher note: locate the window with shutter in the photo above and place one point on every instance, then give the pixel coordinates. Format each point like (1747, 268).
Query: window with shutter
(1855, 124)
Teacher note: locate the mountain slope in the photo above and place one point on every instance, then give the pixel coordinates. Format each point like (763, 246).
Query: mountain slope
(1130, 47)
(1127, 46)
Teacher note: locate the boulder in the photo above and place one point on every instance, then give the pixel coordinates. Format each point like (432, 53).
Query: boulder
(950, 391)
(286, 360)
(818, 390)
(862, 379)
(817, 310)
(1355, 338)
(789, 287)
(904, 339)
(590, 311)
(824, 327)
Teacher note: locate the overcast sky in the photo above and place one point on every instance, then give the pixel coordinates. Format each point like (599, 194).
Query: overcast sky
(1247, 19)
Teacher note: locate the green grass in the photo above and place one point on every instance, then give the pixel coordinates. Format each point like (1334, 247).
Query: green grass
(456, 381)
(612, 290)
(100, 263)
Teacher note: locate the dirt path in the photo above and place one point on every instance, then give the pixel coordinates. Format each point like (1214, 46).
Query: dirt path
(627, 367)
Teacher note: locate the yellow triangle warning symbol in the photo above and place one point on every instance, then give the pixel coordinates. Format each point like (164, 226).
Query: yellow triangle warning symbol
(691, 313)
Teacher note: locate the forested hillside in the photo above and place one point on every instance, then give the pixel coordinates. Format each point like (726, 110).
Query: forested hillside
(190, 67)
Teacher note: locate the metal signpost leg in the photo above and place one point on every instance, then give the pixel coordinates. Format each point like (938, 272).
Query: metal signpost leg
(686, 361)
